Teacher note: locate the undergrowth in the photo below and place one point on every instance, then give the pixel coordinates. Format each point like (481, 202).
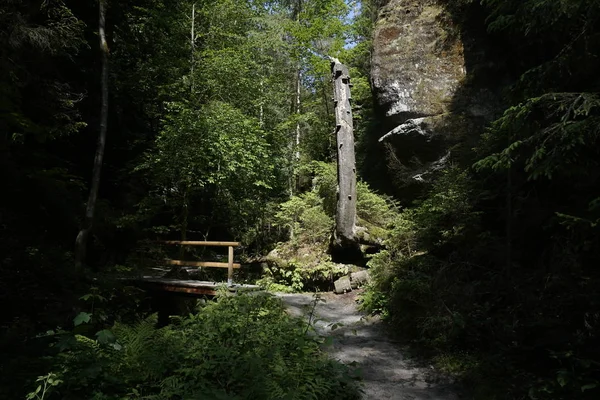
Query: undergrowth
(289, 277)
(509, 331)
(241, 347)
(303, 262)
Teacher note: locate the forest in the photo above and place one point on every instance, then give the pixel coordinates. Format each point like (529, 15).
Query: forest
(126, 124)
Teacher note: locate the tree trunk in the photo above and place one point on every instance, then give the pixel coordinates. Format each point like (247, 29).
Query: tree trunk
(183, 225)
(83, 235)
(297, 111)
(345, 246)
(193, 46)
(328, 112)
(297, 105)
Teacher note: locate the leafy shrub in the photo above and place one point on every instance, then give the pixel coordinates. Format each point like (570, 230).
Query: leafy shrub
(291, 278)
(325, 184)
(242, 347)
(302, 262)
(304, 216)
(520, 325)
(372, 207)
(309, 216)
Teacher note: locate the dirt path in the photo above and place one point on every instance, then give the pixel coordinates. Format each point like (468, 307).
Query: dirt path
(386, 373)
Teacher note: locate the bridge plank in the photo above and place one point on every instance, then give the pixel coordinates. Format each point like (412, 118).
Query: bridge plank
(201, 243)
(210, 264)
(191, 286)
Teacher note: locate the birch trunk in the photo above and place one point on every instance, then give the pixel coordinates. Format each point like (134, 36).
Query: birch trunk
(83, 235)
(193, 46)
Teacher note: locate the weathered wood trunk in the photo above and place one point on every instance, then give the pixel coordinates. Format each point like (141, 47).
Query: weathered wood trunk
(83, 235)
(345, 246)
(349, 283)
(342, 285)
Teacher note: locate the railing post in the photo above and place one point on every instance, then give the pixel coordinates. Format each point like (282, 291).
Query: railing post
(230, 267)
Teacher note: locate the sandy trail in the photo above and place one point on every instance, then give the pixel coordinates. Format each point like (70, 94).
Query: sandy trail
(386, 373)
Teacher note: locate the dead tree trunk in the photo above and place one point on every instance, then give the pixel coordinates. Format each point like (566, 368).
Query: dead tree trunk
(345, 246)
(83, 235)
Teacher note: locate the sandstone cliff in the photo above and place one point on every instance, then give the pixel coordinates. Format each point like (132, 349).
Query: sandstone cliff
(419, 77)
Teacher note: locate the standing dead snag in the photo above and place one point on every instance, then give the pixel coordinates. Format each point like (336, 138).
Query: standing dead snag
(345, 246)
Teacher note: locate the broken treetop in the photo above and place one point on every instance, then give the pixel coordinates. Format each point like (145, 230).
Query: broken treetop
(337, 68)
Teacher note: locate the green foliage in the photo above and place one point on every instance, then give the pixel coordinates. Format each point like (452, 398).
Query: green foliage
(302, 262)
(304, 215)
(301, 275)
(443, 283)
(39, 108)
(404, 273)
(371, 207)
(200, 142)
(55, 35)
(82, 318)
(47, 383)
(493, 271)
(546, 136)
(242, 347)
(215, 155)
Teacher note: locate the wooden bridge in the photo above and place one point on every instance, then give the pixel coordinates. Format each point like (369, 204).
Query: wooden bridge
(197, 287)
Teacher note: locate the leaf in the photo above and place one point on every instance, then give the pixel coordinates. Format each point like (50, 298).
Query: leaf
(589, 386)
(562, 378)
(105, 336)
(116, 346)
(66, 342)
(82, 318)
(56, 382)
(532, 393)
(336, 325)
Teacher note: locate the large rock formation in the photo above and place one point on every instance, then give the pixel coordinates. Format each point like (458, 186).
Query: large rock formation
(418, 75)
(418, 61)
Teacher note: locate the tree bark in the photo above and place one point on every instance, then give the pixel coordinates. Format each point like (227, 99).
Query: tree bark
(183, 225)
(297, 105)
(83, 235)
(345, 246)
(297, 111)
(193, 46)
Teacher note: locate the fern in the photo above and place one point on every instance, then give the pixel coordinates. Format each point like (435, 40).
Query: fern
(243, 347)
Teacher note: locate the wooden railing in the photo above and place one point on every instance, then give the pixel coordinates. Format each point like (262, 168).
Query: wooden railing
(230, 265)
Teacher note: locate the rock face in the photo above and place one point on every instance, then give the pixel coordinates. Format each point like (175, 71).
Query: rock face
(418, 61)
(418, 66)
